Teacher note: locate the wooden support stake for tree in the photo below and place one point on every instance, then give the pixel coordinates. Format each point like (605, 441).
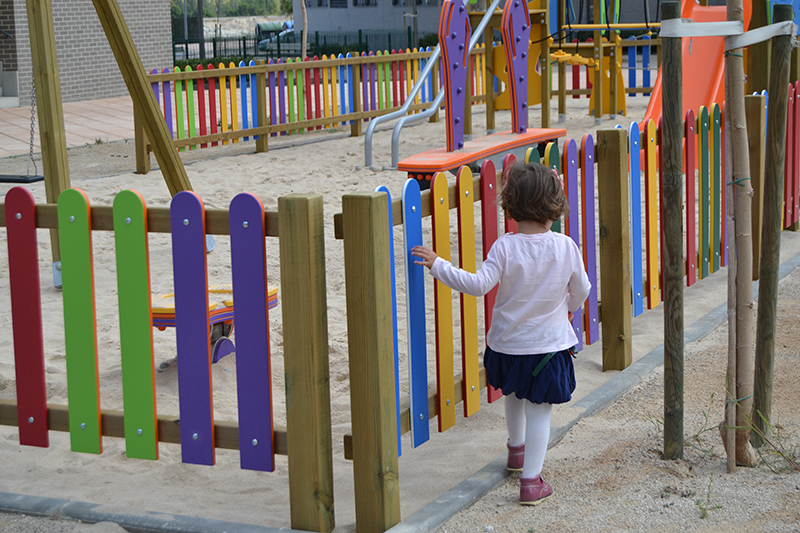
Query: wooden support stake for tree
(771, 228)
(144, 101)
(755, 108)
(52, 137)
(743, 256)
(728, 431)
(758, 55)
(672, 234)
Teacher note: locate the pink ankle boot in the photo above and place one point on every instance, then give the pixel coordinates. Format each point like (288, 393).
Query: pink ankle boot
(533, 491)
(516, 457)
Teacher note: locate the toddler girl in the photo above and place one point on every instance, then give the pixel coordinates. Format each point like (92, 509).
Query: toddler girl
(529, 345)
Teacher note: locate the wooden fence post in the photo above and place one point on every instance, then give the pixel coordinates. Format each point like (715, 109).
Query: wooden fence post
(436, 88)
(261, 97)
(305, 333)
(672, 237)
(140, 140)
(371, 349)
(615, 258)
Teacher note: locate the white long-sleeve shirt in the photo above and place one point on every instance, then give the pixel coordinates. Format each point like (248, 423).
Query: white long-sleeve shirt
(541, 277)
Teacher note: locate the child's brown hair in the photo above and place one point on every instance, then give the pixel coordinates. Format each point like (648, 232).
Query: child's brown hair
(533, 192)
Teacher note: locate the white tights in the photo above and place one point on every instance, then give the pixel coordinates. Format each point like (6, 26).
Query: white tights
(529, 423)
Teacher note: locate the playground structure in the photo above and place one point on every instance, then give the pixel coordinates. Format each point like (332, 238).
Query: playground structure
(365, 223)
(303, 290)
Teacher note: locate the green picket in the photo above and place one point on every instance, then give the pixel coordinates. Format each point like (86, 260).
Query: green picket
(80, 337)
(381, 101)
(135, 326)
(716, 197)
(704, 194)
(180, 133)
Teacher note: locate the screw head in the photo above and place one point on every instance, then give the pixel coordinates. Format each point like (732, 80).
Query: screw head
(128, 220)
(83, 425)
(19, 216)
(473, 388)
(30, 420)
(421, 417)
(413, 209)
(245, 224)
(590, 158)
(185, 221)
(467, 193)
(441, 200)
(255, 442)
(72, 219)
(139, 431)
(491, 186)
(195, 436)
(448, 402)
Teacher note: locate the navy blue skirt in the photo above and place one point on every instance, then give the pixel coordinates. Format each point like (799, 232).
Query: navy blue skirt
(554, 383)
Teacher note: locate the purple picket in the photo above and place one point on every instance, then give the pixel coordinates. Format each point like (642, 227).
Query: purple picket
(373, 81)
(592, 322)
(154, 86)
(273, 111)
(187, 216)
(282, 95)
(167, 89)
(251, 316)
(570, 167)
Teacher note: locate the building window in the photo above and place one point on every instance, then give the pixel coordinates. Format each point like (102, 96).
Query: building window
(339, 4)
(322, 3)
(365, 2)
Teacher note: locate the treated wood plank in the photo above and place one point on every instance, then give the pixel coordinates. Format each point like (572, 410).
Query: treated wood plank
(52, 136)
(615, 278)
(756, 116)
(371, 357)
(134, 74)
(305, 333)
(112, 422)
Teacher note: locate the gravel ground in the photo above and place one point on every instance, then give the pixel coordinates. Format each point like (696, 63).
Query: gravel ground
(608, 473)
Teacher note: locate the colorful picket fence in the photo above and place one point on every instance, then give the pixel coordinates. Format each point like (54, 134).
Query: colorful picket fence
(139, 423)
(324, 91)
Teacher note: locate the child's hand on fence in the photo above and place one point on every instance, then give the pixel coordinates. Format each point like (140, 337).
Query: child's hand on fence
(428, 256)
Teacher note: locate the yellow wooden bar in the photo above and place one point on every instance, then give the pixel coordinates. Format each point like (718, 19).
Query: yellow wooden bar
(234, 101)
(469, 304)
(416, 76)
(408, 73)
(325, 96)
(223, 103)
(651, 216)
(443, 295)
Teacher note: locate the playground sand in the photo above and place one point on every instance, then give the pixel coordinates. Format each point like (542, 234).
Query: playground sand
(606, 472)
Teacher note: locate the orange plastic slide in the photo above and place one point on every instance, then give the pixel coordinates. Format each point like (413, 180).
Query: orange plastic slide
(703, 62)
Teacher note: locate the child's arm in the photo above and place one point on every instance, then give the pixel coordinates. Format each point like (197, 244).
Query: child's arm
(477, 284)
(579, 286)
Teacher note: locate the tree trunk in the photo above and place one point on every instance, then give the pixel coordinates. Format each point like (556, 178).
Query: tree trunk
(728, 427)
(743, 193)
(304, 36)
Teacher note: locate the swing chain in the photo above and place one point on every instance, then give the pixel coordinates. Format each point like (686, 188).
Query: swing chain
(33, 123)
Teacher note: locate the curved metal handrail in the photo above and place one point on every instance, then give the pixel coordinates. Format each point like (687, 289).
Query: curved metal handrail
(432, 60)
(423, 77)
(476, 34)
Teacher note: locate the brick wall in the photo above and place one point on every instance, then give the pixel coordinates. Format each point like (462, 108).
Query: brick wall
(86, 64)
(8, 48)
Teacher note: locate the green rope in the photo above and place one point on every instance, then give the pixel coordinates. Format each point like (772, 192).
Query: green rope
(738, 181)
(740, 399)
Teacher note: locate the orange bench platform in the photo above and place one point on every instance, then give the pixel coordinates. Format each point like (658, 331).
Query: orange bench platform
(425, 165)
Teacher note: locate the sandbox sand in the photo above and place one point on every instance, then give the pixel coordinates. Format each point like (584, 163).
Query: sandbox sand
(325, 163)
